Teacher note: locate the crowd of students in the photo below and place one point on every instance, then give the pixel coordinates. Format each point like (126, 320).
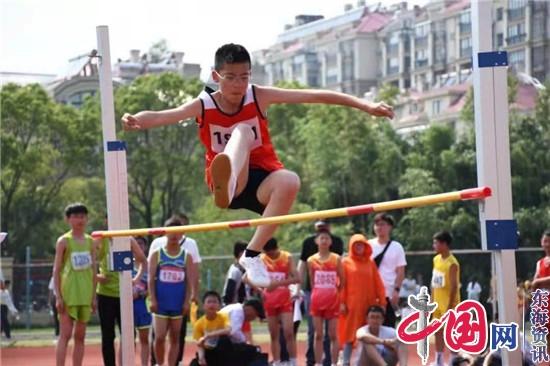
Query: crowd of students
(349, 300)
(165, 282)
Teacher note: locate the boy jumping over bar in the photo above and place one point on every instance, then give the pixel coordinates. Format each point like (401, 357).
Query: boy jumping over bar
(242, 169)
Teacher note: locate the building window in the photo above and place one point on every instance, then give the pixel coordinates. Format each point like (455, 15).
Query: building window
(466, 47)
(348, 56)
(332, 60)
(516, 4)
(516, 33)
(538, 26)
(500, 14)
(331, 79)
(436, 107)
(538, 58)
(422, 30)
(421, 57)
(465, 17)
(500, 39)
(517, 60)
(297, 69)
(516, 9)
(465, 24)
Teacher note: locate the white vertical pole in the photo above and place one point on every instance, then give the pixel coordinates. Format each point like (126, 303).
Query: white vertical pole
(116, 184)
(493, 160)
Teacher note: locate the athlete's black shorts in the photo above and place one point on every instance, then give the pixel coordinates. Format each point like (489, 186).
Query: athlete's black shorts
(248, 198)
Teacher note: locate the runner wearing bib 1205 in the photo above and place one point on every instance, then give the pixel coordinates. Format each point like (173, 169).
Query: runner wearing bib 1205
(324, 293)
(170, 284)
(277, 301)
(77, 278)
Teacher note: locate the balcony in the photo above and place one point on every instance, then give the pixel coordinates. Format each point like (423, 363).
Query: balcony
(465, 28)
(516, 39)
(516, 14)
(421, 63)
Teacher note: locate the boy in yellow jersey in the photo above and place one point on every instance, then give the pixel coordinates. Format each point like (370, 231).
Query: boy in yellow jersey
(211, 332)
(75, 283)
(445, 280)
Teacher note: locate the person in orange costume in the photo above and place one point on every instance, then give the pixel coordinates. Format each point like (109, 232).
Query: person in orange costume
(363, 287)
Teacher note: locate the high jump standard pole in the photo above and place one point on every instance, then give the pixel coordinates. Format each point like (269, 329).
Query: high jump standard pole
(116, 184)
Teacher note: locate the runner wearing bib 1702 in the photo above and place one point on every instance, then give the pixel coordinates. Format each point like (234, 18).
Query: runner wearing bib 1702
(169, 280)
(170, 284)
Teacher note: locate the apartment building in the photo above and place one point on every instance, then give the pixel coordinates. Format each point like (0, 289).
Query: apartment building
(414, 48)
(441, 43)
(442, 52)
(339, 53)
(81, 79)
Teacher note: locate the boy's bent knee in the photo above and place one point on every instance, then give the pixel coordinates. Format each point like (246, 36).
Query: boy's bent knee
(288, 181)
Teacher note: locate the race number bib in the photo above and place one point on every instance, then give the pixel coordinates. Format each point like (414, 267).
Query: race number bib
(171, 275)
(81, 260)
(438, 279)
(325, 279)
(219, 136)
(277, 276)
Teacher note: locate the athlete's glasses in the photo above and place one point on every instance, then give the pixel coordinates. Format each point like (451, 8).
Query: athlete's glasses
(232, 78)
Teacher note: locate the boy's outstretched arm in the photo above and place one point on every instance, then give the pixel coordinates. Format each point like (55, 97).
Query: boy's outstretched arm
(273, 95)
(151, 119)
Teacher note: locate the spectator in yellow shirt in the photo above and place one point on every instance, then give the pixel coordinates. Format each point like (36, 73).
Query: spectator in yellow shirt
(211, 332)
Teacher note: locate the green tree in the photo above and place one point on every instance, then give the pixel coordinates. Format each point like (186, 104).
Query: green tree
(165, 165)
(43, 145)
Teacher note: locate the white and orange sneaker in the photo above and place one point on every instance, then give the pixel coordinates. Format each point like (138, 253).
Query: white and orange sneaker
(255, 271)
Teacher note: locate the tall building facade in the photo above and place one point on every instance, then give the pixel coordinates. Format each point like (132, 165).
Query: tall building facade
(339, 53)
(424, 51)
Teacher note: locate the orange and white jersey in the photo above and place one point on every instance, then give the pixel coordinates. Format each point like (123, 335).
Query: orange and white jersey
(324, 290)
(325, 272)
(278, 270)
(216, 126)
